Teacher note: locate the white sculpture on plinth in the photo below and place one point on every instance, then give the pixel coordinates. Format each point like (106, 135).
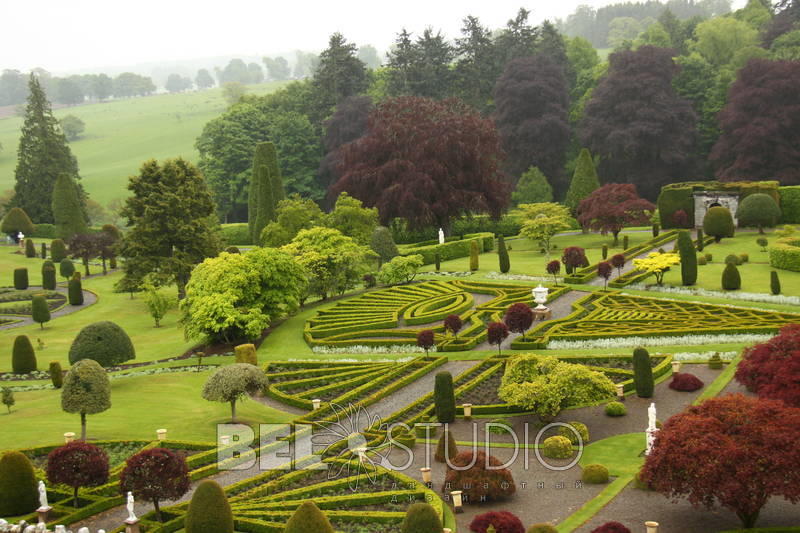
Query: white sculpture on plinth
(441, 236)
(540, 297)
(42, 496)
(131, 514)
(651, 431)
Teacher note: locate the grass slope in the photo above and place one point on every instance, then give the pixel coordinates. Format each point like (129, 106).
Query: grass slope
(122, 134)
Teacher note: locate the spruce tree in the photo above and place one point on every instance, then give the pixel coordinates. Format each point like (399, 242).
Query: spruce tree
(584, 181)
(502, 252)
(688, 259)
(43, 155)
(67, 210)
(532, 188)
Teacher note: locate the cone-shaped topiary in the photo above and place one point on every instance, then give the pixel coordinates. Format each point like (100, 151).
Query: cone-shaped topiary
(731, 279)
(444, 398)
(30, 247)
(44, 250)
(49, 278)
(308, 519)
(246, 353)
(19, 493)
(774, 283)
(56, 374)
(23, 358)
(104, 342)
(421, 518)
(209, 510)
(688, 258)
(643, 373)
(438, 260)
(20, 279)
(16, 221)
(75, 292)
(502, 253)
(700, 239)
(718, 223)
(584, 181)
(40, 312)
(446, 448)
(473, 256)
(58, 250)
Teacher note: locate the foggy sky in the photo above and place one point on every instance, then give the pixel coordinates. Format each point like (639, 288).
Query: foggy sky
(63, 36)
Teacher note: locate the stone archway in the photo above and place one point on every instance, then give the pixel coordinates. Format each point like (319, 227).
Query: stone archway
(705, 200)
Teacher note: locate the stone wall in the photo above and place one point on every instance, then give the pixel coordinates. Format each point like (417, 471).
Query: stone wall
(706, 199)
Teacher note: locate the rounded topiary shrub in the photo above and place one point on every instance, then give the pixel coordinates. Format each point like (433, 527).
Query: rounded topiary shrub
(17, 220)
(104, 342)
(595, 474)
(718, 223)
(685, 382)
(616, 409)
(476, 481)
(611, 527)
(246, 353)
(701, 260)
(758, 211)
(75, 291)
(308, 519)
(232, 250)
(23, 358)
(557, 447)
(581, 428)
(56, 374)
(58, 251)
(421, 518)
(731, 279)
(715, 362)
(19, 492)
(20, 279)
(209, 510)
(542, 528)
(732, 259)
(66, 268)
(501, 521)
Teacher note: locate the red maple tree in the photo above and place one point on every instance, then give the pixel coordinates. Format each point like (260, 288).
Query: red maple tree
(604, 270)
(77, 464)
(426, 161)
(553, 268)
(453, 324)
(155, 474)
(733, 451)
(612, 207)
(518, 318)
(574, 257)
(496, 333)
(425, 340)
(772, 369)
(618, 261)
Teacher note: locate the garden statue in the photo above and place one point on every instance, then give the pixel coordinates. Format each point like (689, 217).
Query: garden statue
(42, 496)
(83, 530)
(131, 514)
(651, 431)
(61, 529)
(441, 236)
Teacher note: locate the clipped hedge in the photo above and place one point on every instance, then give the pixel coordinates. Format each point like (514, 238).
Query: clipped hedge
(680, 196)
(453, 248)
(785, 254)
(235, 234)
(790, 204)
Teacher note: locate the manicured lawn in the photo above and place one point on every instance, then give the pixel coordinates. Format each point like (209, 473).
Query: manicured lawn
(140, 405)
(121, 135)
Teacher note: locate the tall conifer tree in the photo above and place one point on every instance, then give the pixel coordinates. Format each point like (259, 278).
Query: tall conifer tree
(42, 156)
(584, 181)
(261, 202)
(67, 211)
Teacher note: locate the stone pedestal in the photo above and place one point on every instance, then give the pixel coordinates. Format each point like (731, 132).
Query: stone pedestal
(132, 526)
(652, 527)
(651, 437)
(542, 314)
(43, 513)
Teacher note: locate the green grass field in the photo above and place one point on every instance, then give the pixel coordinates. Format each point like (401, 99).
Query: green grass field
(122, 134)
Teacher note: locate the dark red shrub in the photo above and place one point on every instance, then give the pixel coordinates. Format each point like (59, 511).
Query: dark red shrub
(680, 219)
(502, 521)
(77, 464)
(604, 270)
(772, 369)
(553, 268)
(573, 257)
(154, 475)
(476, 481)
(611, 527)
(618, 261)
(519, 318)
(453, 324)
(425, 339)
(496, 333)
(685, 382)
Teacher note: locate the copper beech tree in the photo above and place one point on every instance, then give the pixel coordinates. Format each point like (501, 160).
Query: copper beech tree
(77, 464)
(612, 207)
(772, 369)
(154, 475)
(732, 451)
(426, 161)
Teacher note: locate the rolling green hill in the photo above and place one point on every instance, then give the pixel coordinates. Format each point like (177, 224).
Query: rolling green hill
(121, 134)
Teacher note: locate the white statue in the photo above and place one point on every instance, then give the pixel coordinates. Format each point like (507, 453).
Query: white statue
(651, 416)
(42, 495)
(30, 529)
(61, 529)
(131, 514)
(441, 236)
(651, 431)
(41, 528)
(83, 530)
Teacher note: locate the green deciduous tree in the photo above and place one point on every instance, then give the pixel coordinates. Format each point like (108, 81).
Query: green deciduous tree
(584, 181)
(43, 155)
(67, 208)
(234, 382)
(170, 216)
(156, 301)
(292, 215)
(532, 188)
(540, 222)
(86, 391)
(353, 219)
(72, 126)
(401, 269)
(383, 244)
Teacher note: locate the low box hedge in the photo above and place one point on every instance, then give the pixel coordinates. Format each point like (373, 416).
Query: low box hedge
(785, 254)
(451, 249)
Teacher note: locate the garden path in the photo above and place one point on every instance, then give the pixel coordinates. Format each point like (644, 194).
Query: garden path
(23, 320)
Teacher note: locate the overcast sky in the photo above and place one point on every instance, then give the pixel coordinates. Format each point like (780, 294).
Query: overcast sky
(64, 35)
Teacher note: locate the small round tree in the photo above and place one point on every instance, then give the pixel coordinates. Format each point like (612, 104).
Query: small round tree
(426, 340)
(421, 518)
(58, 251)
(553, 268)
(479, 477)
(519, 318)
(23, 358)
(18, 487)
(77, 464)
(104, 342)
(154, 475)
(444, 398)
(716, 453)
(758, 211)
(453, 324)
(40, 311)
(573, 257)
(618, 261)
(86, 391)
(604, 270)
(501, 521)
(209, 510)
(308, 518)
(496, 333)
(232, 383)
(502, 254)
(16, 221)
(718, 223)
(66, 268)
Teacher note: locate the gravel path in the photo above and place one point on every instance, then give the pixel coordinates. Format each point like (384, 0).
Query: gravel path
(23, 320)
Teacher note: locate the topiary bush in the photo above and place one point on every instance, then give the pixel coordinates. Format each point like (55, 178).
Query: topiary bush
(685, 382)
(731, 279)
(763, 243)
(19, 492)
(23, 358)
(557, 447)
(44, 250)
(437, 259)
(246, 353)
(104, 342)
(542, 528)
(594, 474)
(502, 254)
(444, 398)
(501, 521)
(49, 278)
(701, 260)
(209, 510)
(611, 527)
(30, 248)
(688, 259)
(581, 428)
(700, 240)
(421, 518)
(446, 448)
(66, 268)
(40, 311)
(758, 210)
(732, 259)
(774, 283)
(744, 258)
(308, 519)
(643, 373)
(625, 241)
(17, 220)
(477, 482)
(58, 251)
(75, 291)
(715, 362)
(232, 250)
(20, 279)
(616, 409)
(709, 257)
(473, 256)
(56, 374)
(718, 223)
